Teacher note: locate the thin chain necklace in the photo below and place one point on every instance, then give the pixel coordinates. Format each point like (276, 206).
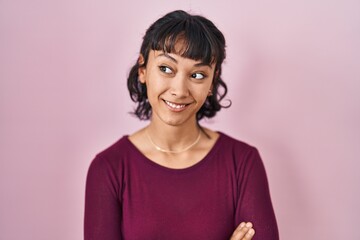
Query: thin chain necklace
(173, 151)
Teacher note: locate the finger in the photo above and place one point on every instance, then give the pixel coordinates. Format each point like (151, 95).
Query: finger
(249, 235)
(237, 233)
(241, 231)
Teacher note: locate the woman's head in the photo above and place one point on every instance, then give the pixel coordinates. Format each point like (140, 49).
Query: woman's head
(200, 40)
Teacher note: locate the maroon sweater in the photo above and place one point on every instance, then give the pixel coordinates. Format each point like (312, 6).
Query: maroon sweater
(131, 197)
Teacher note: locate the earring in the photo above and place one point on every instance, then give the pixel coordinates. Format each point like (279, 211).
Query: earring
(210, 93)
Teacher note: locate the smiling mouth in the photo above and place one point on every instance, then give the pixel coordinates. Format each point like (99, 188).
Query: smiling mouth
(175, 105)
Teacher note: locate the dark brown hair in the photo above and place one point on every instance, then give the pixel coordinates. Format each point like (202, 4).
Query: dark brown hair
(203, 41)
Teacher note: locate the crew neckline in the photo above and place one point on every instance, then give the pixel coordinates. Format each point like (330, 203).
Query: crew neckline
(206, 158)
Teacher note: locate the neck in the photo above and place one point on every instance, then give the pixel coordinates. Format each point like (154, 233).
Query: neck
(173, 139)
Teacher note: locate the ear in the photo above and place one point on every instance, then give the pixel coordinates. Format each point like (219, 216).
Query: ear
(142, 69)
(210, 91)
(216, 74)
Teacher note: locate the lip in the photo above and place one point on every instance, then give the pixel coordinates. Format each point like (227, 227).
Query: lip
(176, 107)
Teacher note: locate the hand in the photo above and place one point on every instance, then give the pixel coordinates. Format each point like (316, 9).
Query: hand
(243, 232)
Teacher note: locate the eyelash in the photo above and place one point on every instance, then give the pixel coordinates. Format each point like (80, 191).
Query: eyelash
(194, 74)
(164, 69)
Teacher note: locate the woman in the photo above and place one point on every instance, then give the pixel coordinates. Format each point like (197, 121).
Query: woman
(175, 179)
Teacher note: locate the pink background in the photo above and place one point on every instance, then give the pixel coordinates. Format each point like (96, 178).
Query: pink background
(293, 71)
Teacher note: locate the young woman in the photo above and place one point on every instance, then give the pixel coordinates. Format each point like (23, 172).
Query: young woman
(175, 179)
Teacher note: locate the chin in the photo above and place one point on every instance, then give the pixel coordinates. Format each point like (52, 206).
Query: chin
(176, 121)
(173, 122)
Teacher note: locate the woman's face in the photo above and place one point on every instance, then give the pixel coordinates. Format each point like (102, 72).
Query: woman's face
(177, 87)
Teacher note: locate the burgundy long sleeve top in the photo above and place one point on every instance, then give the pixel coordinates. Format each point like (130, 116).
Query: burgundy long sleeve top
(130, 197)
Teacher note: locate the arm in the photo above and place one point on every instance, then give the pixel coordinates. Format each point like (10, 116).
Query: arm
(102, 220)
(254, 202)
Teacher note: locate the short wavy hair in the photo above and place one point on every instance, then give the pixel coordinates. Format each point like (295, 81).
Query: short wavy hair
(203, 41)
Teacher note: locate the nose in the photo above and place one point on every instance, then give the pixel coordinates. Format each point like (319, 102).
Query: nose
(179, 86)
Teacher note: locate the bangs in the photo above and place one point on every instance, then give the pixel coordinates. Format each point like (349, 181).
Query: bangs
(196, 43)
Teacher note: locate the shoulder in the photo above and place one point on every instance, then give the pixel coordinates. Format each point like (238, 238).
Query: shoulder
(116, 149)
(236, 144)
(109, 159)
(241, 154)
(104, 175)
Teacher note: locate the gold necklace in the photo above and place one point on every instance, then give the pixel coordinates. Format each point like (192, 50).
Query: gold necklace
(173, 151)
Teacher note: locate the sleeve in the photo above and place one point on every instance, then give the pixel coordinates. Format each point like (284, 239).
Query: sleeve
(102, 218)
(254, 202)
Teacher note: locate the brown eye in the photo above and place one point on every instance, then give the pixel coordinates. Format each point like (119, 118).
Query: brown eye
(198, 76)
(165, 69)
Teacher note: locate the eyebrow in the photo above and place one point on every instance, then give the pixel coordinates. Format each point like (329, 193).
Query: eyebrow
(174, 60)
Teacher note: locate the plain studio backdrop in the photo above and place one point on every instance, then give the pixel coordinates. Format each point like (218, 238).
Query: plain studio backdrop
(293, 72)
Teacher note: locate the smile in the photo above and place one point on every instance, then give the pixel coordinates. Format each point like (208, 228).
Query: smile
(175, 106)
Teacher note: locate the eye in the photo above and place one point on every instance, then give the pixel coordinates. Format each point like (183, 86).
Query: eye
(198, 75)
(165, 69)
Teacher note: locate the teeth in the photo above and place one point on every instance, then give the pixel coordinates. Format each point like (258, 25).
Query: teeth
(173, 105)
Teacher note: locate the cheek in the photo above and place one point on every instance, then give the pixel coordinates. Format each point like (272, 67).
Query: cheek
(202, 90)
(201, 95)
(155, 87)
